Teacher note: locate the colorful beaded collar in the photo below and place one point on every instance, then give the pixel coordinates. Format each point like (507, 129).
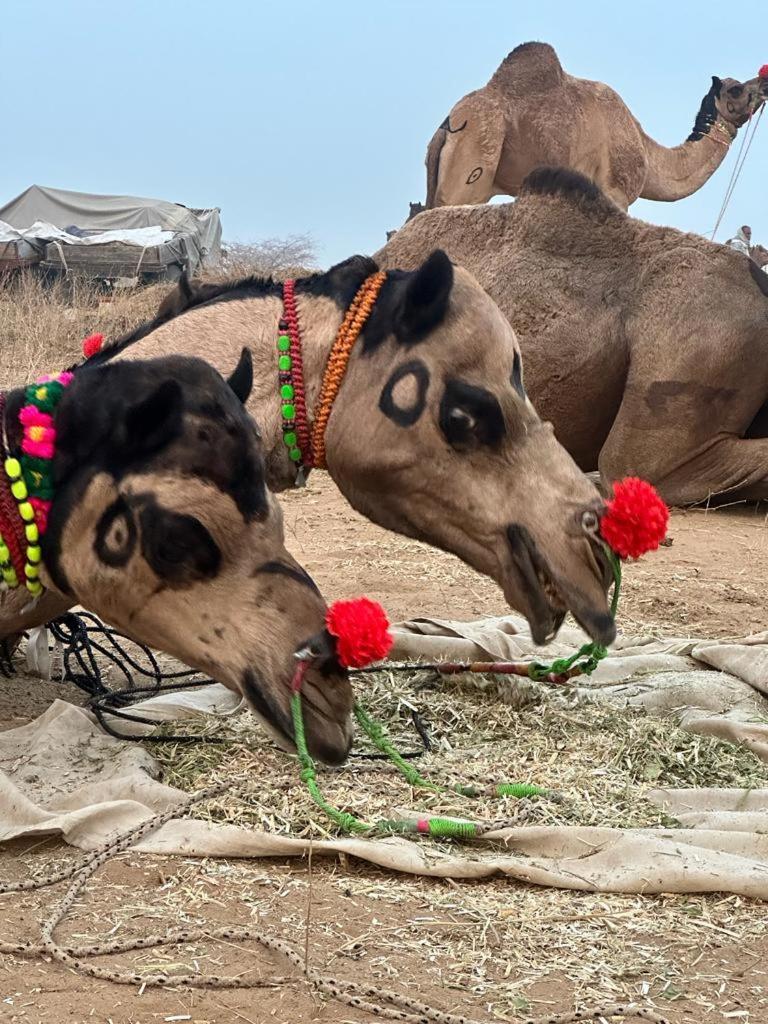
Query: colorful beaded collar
(305, 445)
(26, 491)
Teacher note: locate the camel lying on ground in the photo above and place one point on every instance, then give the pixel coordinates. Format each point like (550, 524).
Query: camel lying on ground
(532, 114)
(646, 347)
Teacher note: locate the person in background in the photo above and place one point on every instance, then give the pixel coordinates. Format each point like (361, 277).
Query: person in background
(742, 240)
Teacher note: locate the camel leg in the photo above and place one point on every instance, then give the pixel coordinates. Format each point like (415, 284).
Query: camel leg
(728, 467)
(694, 386)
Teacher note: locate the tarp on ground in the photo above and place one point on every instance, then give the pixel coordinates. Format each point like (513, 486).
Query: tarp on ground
(62, 774)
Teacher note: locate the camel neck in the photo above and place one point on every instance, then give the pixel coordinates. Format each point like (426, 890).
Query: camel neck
(676, 172)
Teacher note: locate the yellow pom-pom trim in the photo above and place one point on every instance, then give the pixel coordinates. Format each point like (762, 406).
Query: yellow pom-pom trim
(31, 532)
(35, 587)
(19, 490)
(13, 468)
(34, 555)
(27, 512)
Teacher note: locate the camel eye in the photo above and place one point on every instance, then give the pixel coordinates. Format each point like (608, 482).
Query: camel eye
(736, 91)
(462, 419)
(470, 416)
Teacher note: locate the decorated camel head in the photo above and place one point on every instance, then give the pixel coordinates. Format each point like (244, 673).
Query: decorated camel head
(408, 388)
(137, 489)
(533, 114)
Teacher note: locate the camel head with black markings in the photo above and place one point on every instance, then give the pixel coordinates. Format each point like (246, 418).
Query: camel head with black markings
(161, 524)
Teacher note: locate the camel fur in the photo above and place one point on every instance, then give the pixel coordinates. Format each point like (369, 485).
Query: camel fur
(646, 347)
(532, 113)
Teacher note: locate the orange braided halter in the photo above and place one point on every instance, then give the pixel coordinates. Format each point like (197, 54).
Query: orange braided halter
(336, 367)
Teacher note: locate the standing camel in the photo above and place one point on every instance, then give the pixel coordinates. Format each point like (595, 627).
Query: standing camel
(532, 113)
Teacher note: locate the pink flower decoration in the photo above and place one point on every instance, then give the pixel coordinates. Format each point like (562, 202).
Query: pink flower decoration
(38, 449)
(65, 378)
(31, 416)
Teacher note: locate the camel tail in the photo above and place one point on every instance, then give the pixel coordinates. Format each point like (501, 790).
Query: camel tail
(434, 149)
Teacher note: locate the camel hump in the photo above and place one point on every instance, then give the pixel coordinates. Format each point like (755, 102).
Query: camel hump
(529, 68)
(572, 186)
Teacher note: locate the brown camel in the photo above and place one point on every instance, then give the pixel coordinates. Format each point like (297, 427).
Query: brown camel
(430, 435)
(647, 348)
(161, 524)
(532, 114)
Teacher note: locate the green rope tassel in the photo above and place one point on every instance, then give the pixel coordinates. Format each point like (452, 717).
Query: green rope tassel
(345, 821)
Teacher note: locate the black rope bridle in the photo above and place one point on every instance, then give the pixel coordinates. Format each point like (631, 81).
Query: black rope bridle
(83, 636)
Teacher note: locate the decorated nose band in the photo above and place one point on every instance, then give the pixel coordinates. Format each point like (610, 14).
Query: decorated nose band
(634, 522)
(359, 632)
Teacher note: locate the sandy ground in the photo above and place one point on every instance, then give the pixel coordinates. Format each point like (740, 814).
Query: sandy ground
(710, 582)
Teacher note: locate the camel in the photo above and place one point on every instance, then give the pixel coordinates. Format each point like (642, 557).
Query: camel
(647, 348)
(430, 434)
(161, 524)
(532, 113)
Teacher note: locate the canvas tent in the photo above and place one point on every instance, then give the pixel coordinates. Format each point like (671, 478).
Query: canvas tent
(109, 236)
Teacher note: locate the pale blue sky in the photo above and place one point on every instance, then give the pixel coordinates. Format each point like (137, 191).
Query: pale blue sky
(314, 117)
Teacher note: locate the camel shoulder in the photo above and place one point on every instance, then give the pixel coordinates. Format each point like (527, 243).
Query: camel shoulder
(530, 67)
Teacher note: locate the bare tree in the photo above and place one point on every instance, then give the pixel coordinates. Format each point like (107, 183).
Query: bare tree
(279, 256)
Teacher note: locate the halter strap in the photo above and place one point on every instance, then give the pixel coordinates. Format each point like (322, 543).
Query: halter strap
(305, 444)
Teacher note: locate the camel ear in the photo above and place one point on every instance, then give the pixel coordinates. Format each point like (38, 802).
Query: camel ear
(241, 380)
(717, 85)
(426, 298)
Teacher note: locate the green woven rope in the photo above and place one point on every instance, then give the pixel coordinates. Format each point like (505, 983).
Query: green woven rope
(381, 741)
(345, 821)
(592, 653)
(438, 827)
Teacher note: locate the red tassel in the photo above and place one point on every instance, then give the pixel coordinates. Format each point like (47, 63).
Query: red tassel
(92, 344)
(361, 630)
(763, 72)
(635, 520)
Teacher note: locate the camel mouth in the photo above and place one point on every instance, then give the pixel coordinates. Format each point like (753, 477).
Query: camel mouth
(549, 598)
(326, 707)
(546, 602)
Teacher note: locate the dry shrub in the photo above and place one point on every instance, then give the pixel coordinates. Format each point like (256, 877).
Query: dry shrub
(42, 325)
(292, 256)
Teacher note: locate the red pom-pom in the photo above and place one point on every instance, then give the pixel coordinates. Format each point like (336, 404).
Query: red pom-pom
(92, 344)
(763, 72)
(636, 518)
(361, 630)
